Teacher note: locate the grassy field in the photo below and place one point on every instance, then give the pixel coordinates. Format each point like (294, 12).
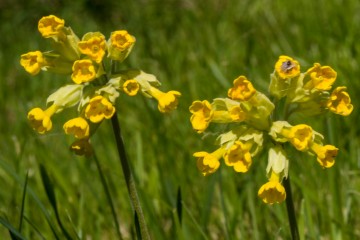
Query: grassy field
(197, 48)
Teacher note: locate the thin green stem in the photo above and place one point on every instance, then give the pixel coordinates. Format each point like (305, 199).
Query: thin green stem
(290, 210)
(108, 196)
(129, 179)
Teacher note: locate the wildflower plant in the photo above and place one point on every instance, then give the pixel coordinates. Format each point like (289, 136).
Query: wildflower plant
(254, 123)
(94, 84)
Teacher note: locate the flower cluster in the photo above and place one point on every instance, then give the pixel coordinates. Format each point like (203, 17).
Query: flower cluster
(93, 89)
(254, 124)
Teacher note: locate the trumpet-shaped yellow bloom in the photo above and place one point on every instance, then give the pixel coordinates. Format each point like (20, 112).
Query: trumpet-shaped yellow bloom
(340, 102)
(120, 44)
(325, 154)
(82, 147)
(77, 126)
(286, 67)
(50, 26)
(40, 120)
(94, 47)
(98, 109)
(32, 62)
(201, 115)
(131, 87)
(166, 101)
(83, 71)
(239, 157)
(272, 191)
(243, 89)
(208, 163)
(300, 136)
(321, 77)
(237, 114)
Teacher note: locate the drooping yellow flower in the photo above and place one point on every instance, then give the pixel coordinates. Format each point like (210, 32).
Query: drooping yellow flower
(340, 102)
(325, 154)
(272, 191)
(131, 87)
(50, 26)
(201, 115)
(40, 120)
(286, 67)
(208, 163)
(321, 77)
(166, 101)
(237, 114)
(98, 109)
(94, 47)
(83, 71)
(120, 44)
(238, 157)
(32, 62)
(78, 127)
(82, 147)
(300, 136)
(243, 89)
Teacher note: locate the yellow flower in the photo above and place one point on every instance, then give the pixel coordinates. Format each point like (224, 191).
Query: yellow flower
(243, 89)
(166, 101)
(50, 26)
(131, 87)
(286, 67)
(300, 136)
(238, 156)
(83, 71)
(325, 154)
(40, 120)
(322, 78)
(94, 47)
(98, 109)
(120, 44)
(77, 126)
(237, 114)
(340, 102)
(201, 115)
(208, 163)
(82, 147)
(272, 191)
(32, 62)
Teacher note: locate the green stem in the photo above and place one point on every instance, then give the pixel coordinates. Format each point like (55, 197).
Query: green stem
(108, 196)
(290, 210)
(129, 179)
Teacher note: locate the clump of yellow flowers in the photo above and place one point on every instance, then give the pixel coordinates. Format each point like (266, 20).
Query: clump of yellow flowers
(93, 89)
(254, 126)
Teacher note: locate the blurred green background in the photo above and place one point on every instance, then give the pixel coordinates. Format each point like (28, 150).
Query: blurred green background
(196, 47)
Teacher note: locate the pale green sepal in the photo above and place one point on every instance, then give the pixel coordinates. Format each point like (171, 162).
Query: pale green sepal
(277, 162)
(66, 96)
(56, 63)
(67, 45)
(276, 129)
(278, 87)
(90, 35)
(224, 104)
(109, 92)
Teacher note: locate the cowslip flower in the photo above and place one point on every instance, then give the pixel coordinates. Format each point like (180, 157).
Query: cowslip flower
(325, 154)
(208, 163)
(321, 77)
(78, 127)
(119, 45)
(243, 89)
(238, 156)
(340, 102)
(82, 147)
(286, 67)
(272, 191)
(83, 71)
(201, 115)
(93, 45)
(32, 62)
(166, 101)
(40, 120)
(50, 26)
(99, 108)
(131, 87)
(300, 136)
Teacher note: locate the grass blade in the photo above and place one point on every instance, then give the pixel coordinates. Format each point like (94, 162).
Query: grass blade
(23, 201)
(14, 234)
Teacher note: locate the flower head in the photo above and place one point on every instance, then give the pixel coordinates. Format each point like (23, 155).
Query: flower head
(32, 62)
(208, 163)
(272, 191)
(40, 120)
(286, 67)
(340, 102)
(131, 87)
(201, 115)
(93, 45)
(50, 26)
(98, 109)
(82, 147)
(77, 126)
(325, 154)
(243, 89)
(238, 156)
(321, 77)
(166, 101)
(83, 71)
(120, 44)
